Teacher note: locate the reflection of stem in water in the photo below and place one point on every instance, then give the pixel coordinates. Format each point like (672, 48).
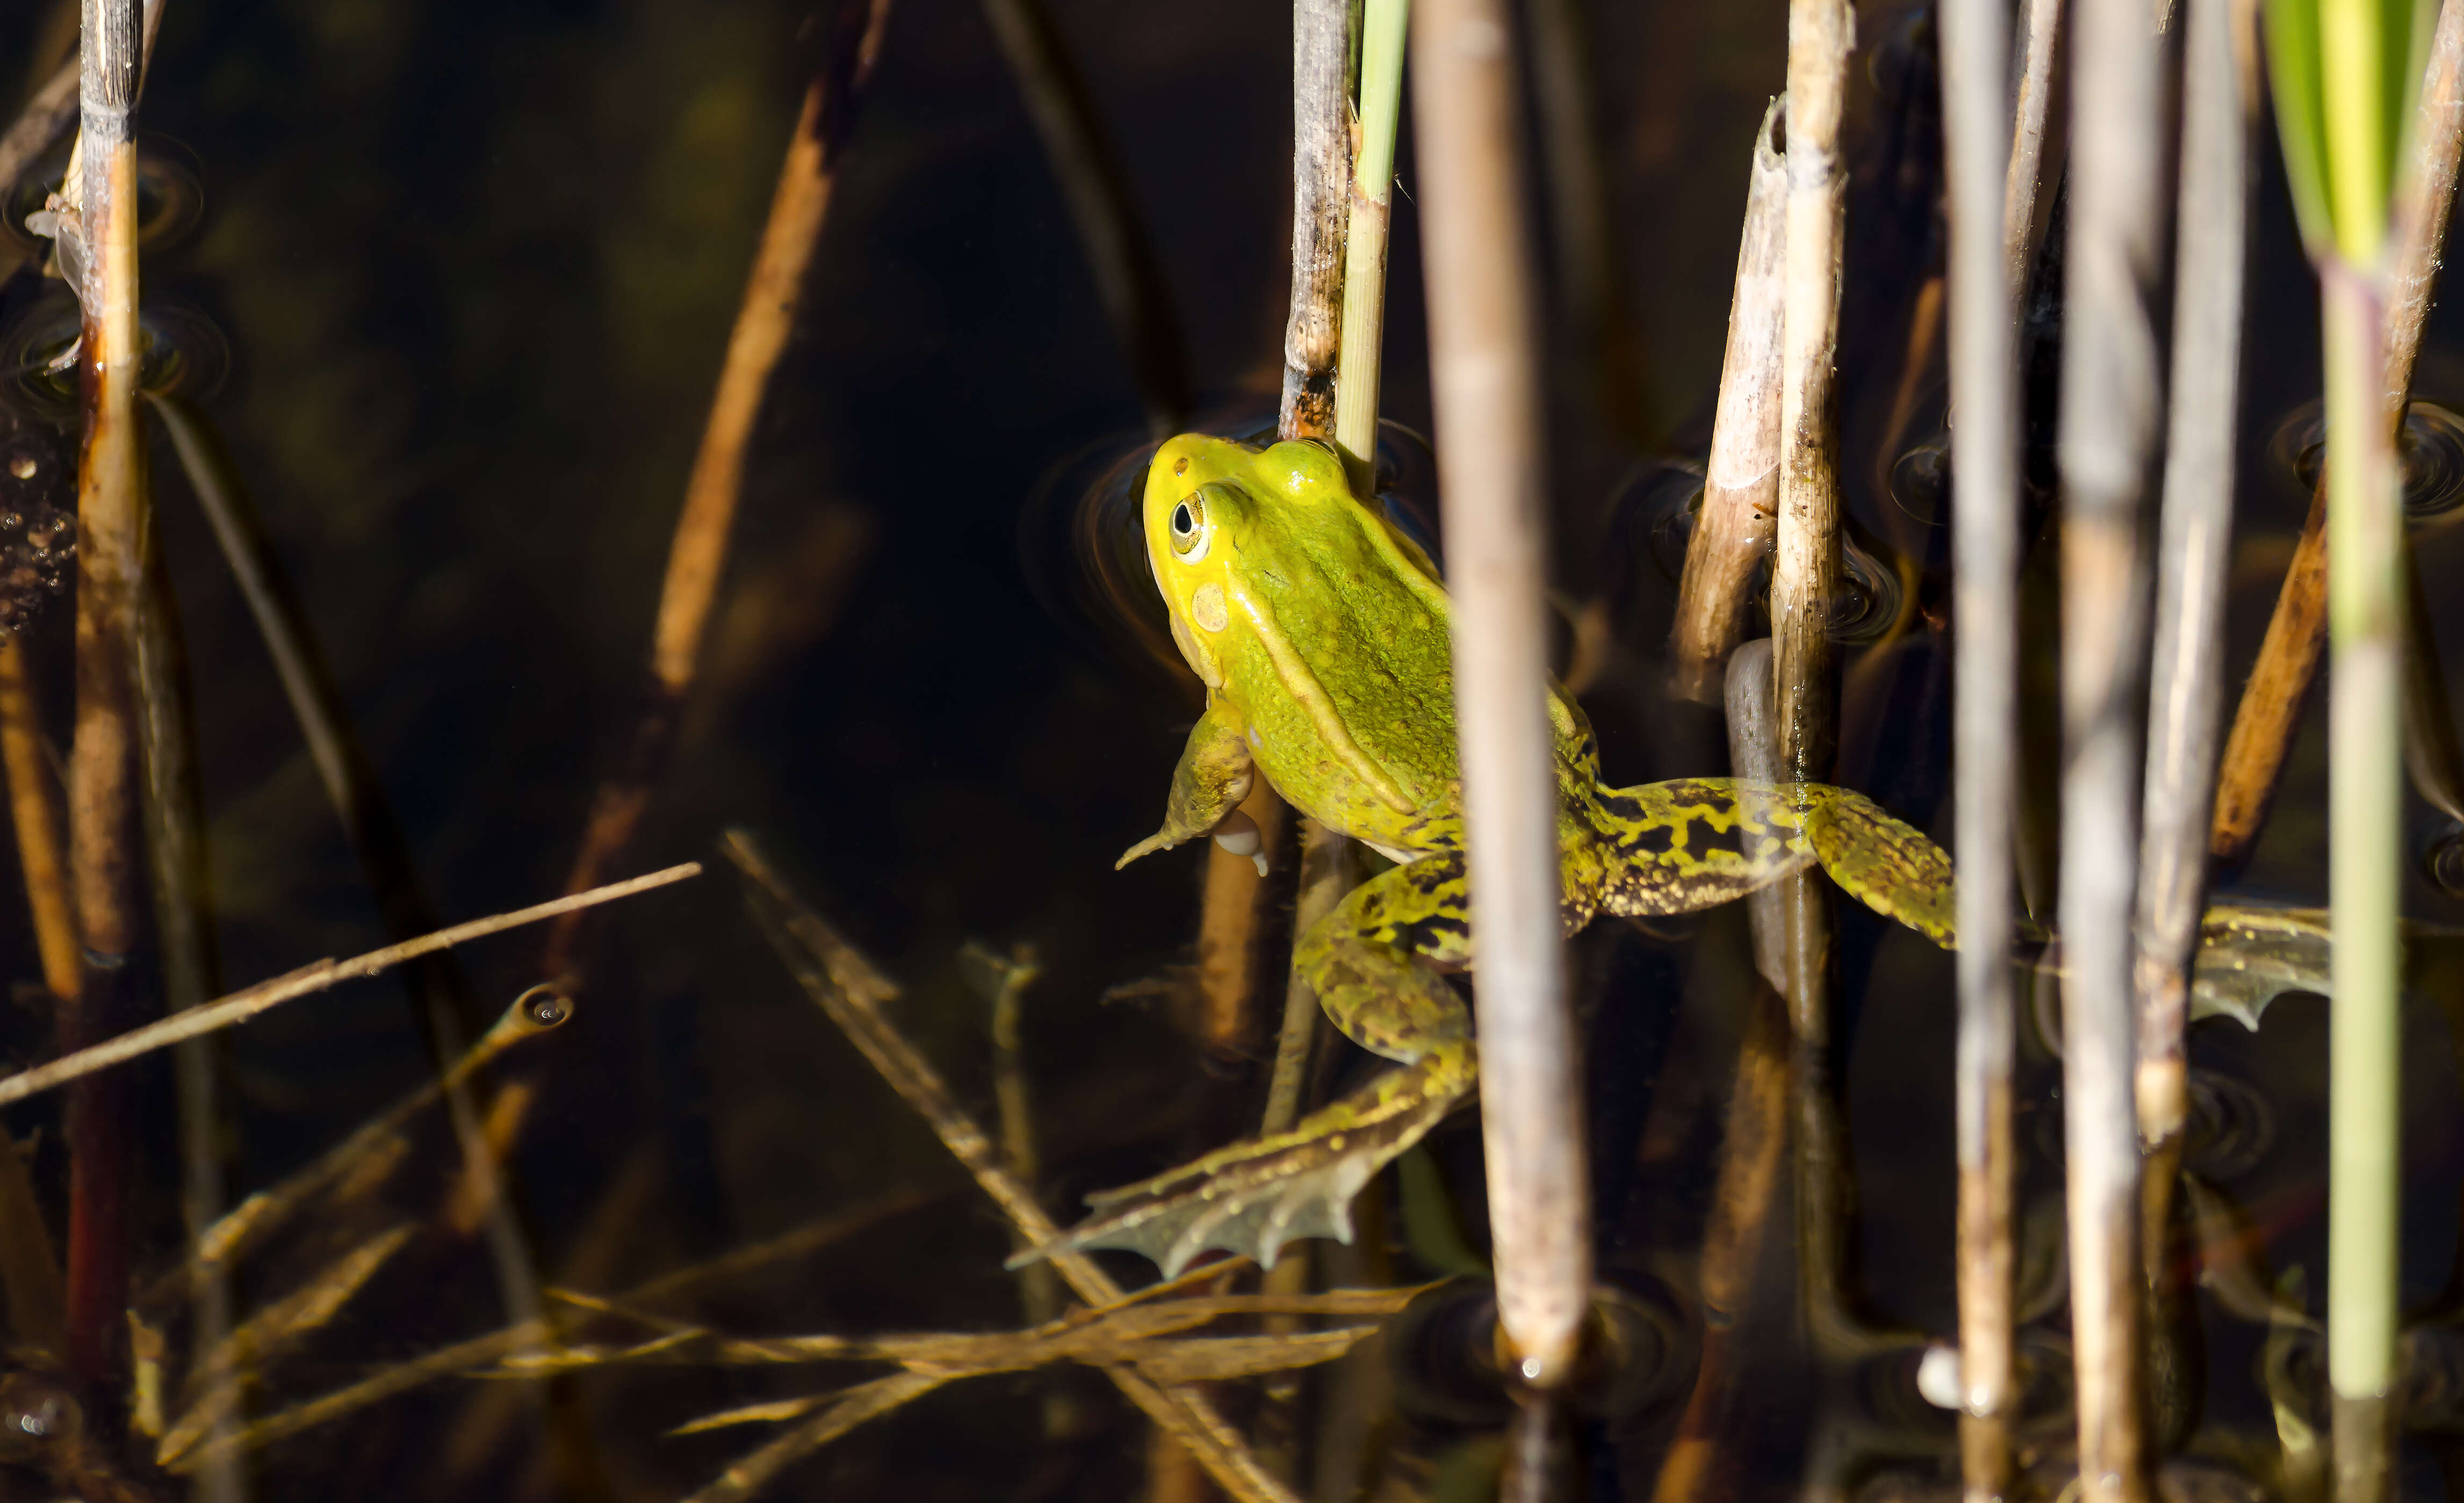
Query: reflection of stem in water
(175, 842)
(1129, 280)
(1985, 542)
(1484, 365)
(697, 552)
(105, 863)
(851, 991)
(2110, 387)
(1740, 481)
(35, 813)
(2288, 656)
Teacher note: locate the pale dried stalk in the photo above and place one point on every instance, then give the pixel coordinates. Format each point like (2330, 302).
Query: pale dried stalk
(105, 861)
(851, 991)
(1985, 541)
(697, 552)
(1485, 379)
(1382, 26)
(2270, 708)
(1741, 483)
(2110, 388)
(241, 1006)
(2040, 34)
(1321, 202)
(2186, 688)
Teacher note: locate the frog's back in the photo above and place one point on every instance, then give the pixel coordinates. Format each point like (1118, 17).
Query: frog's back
(1364, 645)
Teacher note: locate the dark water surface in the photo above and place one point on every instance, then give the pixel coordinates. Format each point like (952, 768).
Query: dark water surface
(471, 266)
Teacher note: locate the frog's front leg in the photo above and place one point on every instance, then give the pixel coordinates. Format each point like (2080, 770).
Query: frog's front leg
(1375, 963)
(1209, 783)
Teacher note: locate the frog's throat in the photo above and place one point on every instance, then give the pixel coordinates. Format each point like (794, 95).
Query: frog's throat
(1312, 696)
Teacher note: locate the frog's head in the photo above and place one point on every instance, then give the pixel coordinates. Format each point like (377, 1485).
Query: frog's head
(1214, 509)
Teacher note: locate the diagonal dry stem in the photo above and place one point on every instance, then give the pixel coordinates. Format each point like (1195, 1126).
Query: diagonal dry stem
(851, 991)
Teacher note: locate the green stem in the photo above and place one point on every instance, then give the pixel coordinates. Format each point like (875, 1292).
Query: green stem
(2365, 818)
(1364, 277)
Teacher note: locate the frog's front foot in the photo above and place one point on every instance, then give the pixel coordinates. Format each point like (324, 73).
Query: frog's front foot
(1251, 1198)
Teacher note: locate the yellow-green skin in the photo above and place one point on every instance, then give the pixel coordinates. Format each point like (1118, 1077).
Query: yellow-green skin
(1323, 636)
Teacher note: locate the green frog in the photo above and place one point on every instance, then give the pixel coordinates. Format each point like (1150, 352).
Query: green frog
(1322, 633)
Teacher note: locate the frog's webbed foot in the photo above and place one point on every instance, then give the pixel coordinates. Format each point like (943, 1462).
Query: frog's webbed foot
(1251, 1198)
(1885, 864)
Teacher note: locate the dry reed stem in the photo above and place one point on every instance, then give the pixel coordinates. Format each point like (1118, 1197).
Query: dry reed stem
(317, 976)
(105, 861)
(34, 809)
(2040, 35)
(2270, 708)
(2110, 387)
(1129, 280)
(464, 1357)
(1321, 210)
(697, 551)
(1985, 539)
(1733, 532)
(851, 991)
(1485, 381)
(1329, 870)
(2186, 691)
(1231, 932)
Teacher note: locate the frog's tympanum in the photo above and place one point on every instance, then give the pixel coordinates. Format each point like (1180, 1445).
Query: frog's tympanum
(1321, 635)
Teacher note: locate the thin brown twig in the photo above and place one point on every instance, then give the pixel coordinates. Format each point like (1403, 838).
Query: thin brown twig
(1732, 535)
(697, 552)
(317, 976)
(851, 991)
(2270, 708)
(34, 809)
(1486, 382)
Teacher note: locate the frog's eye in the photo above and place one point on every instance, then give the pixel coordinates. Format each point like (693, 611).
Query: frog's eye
(1189, 530)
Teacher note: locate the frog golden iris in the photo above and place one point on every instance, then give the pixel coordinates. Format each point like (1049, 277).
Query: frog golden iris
(1321, 633)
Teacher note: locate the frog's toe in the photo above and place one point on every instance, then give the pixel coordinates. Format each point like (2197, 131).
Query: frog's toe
(1160, 840)
(1252, 1198)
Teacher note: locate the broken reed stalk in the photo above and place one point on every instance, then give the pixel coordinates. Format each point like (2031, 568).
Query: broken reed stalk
(1129, 279)
(2039, 36)
(2186, 687)
(1321, 193)
(2270, 708)
(1382, 24)
(2110, 387)
(697, 551)
(317, 976)
(1985, 541)
(1732, 533)
(105, 861)
(1485, 381)
(846, 987)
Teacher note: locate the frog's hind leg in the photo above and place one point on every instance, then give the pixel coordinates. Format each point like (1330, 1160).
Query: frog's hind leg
(1885, 864)
(1371, 961)
(1692, 843)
